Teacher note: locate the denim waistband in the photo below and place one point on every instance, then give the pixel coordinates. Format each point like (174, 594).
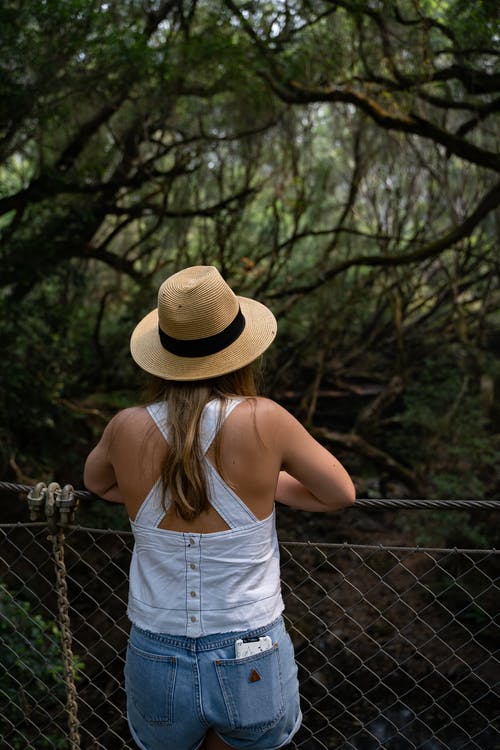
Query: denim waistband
(207, 642)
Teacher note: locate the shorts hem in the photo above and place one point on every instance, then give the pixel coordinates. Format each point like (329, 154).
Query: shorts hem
(294, 731)
(143, 747)
(134, 736)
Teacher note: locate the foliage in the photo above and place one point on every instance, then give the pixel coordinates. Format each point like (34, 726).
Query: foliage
(442, 428)
(51, 357)
(337, 160)
(32, 690)
(456, 529)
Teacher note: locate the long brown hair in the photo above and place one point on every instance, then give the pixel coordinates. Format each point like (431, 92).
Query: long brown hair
(183, 472)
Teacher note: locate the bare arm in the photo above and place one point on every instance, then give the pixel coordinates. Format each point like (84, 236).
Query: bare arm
(311, 478)
(292, 493)
(99, 475)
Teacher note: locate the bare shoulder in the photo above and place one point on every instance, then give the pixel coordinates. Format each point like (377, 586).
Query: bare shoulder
(129, 417)
(269, 417)
(264, 408)
(127, 421)
(273, 412)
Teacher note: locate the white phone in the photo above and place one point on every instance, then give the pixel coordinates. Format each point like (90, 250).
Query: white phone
(249, 646)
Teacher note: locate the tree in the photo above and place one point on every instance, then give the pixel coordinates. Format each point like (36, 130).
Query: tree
(336, 159)
(421, 69)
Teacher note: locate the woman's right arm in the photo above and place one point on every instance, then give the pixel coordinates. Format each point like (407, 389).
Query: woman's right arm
(99, 473)
(311, 477)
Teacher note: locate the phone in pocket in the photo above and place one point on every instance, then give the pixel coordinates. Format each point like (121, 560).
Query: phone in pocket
(249, 646)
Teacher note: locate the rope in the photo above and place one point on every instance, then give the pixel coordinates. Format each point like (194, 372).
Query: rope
(66, 638)
(362, 503)
(58, 505)
(394, 504)
(24, 489)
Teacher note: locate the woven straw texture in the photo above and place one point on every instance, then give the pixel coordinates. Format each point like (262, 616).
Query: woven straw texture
(194, 304)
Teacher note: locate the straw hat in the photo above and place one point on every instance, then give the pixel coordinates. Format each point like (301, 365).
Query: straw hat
(200, 328)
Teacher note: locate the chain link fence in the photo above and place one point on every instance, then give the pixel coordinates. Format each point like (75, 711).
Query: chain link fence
(397, 646)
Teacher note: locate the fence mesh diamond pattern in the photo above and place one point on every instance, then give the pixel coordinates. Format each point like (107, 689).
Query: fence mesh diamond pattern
(396, 646)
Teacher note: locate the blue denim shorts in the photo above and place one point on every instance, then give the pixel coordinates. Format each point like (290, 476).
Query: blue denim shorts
(177, 688)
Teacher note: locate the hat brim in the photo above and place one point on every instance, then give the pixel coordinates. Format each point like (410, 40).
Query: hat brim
(148, 352)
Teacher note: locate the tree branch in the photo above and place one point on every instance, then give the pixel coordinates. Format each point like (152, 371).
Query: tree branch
(489, 202)
(294, 92)
(383, 460)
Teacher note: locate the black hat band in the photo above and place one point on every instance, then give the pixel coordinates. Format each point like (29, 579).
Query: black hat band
(205, 346)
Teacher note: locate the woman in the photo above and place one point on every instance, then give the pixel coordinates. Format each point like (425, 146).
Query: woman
(209, 663)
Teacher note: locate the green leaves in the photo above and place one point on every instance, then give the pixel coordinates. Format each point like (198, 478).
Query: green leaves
(334, 159)
(32, 690)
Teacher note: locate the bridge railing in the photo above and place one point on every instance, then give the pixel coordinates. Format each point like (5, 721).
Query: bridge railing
(397, 646)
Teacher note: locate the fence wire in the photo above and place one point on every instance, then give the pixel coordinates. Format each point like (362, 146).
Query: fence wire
(397, 646)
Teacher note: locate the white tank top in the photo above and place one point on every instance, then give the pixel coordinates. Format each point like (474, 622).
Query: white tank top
(199, 584)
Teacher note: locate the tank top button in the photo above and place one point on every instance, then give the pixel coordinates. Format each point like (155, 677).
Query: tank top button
(193, 619)
(192, 566)
(191, 541)
(193, 593)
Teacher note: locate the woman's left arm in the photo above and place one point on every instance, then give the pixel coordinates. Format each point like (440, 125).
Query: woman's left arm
(99, 474)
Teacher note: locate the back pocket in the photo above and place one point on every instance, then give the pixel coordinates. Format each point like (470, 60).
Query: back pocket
(149, 682)
(252, 689)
